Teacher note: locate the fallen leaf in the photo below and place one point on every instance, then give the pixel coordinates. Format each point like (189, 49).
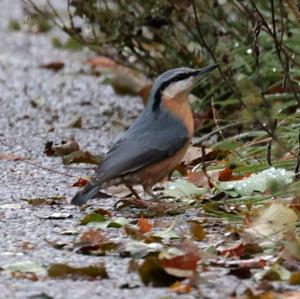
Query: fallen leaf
(192, 156)
(291, 250)
(92, 237)
(55, 66)
(45, 201)
(198, 178)
(196, 230)
(226, 175)
(91, 272)
(237, 250)
(272, 221)
(167, 234)
(93, 217)
(81, 157)
(182, 189)
(183, 266)
(138, 249)
(277, 295)
(95, 242)
(273, 273)
(295, 278)
(81, 182)
(144, 225)
(65, 148)
(241, 249)
(118, 222)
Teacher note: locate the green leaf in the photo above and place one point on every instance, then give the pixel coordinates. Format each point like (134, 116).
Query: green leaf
(93, 217)
(118, 222)
(182, 189)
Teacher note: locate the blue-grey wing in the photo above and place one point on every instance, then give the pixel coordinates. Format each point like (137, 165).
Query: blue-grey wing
(152, 138)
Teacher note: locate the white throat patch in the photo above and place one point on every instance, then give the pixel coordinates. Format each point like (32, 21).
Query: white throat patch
(178, 87)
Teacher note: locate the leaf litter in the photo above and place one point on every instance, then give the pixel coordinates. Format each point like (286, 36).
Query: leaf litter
(172, 258)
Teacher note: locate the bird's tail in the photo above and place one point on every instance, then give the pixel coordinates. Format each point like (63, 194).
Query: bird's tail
(85, 194)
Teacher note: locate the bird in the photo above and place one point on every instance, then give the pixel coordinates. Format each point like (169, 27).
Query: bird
(156, 142)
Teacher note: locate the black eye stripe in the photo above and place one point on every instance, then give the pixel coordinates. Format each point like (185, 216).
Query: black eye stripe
(178, 77)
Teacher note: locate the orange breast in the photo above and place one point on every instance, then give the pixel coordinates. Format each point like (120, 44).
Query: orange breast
(154, 173)
(181, 109)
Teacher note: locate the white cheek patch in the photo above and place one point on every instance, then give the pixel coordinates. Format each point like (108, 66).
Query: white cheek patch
(176, 88)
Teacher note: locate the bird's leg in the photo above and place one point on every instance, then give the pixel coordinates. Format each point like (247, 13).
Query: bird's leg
(133, 191)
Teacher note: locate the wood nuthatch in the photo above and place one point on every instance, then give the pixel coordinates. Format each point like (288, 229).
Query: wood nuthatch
(156, 142)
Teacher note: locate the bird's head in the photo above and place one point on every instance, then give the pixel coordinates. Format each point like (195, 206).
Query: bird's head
(176, 83)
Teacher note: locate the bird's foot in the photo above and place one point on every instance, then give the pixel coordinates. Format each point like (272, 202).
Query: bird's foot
(124, 202)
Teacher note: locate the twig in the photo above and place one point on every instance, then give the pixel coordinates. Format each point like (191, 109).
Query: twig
(203, 167)
(49, 169)
(269, 145)
(39, 166)
(297, 174)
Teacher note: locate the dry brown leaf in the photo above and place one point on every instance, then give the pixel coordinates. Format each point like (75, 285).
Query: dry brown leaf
(226, 175)
(81, 157)
(81, 182)
(92, 272)
(92, 237)
(65, 148)
(197, 231)
(144, 225)
(54, 66)
(272, 222)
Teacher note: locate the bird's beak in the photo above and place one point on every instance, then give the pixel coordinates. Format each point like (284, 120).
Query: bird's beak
(198, 74)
